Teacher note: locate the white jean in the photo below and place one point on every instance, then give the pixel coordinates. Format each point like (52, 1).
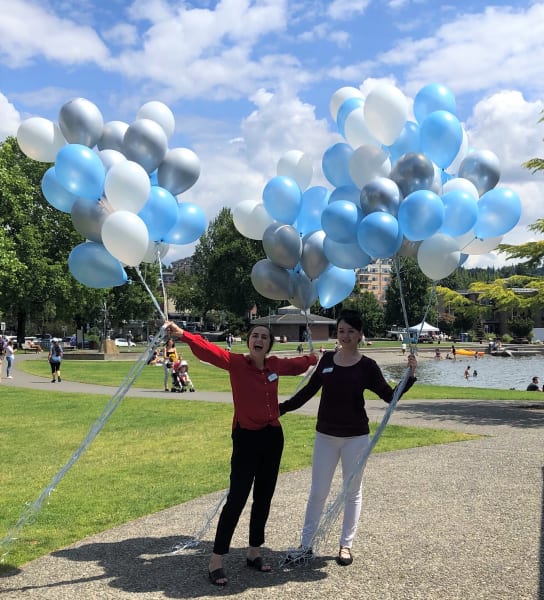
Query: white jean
(328, 451)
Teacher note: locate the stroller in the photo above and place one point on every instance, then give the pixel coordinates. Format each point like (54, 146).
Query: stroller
(181, 382)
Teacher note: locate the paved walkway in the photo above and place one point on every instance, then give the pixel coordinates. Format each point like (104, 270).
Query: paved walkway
(460, 521)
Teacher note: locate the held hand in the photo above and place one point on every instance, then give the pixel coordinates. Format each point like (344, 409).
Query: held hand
(173, 329)
(412, 364)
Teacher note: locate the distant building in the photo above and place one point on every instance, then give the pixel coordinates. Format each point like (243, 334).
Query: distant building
(375, 278)
(290, 324)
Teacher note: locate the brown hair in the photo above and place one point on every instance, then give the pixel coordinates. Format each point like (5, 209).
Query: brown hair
(269, 333)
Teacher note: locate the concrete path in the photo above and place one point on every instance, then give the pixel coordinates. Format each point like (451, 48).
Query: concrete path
(460, 521)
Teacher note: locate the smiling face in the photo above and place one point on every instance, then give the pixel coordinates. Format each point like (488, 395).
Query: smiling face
(348, 336)
(259, 341)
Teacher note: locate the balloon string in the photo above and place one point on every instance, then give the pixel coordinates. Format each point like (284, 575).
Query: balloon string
(163, 287)
(153, 299)
(309, 333)
(34, 508)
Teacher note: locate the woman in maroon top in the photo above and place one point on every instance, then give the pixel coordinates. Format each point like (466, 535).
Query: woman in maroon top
(257, 436)
(342, 426)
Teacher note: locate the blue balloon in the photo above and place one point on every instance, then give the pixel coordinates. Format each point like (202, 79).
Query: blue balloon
(421, 214)
(189, 226)
(346, 192)
(313, 203)
(92, 265)
(441, 135)
(335, 164)
(345, 109)
(335, 285)
(431, 97)
(282, 199)
(460, 213)
(55, 193)
(379, 235)
(159, 213)
(499, 211)
(345, 256)
(407, 141)
(80, 171)
(340, 221)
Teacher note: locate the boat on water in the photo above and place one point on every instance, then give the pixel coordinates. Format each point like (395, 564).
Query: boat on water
(502, 352)
(464, 352)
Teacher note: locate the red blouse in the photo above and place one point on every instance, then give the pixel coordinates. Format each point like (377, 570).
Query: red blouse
(254, 391)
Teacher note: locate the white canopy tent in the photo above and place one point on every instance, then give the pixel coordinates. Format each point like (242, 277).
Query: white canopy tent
(423, 327)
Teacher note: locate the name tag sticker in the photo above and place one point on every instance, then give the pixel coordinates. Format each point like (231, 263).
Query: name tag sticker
(328, 370)
(272, 377)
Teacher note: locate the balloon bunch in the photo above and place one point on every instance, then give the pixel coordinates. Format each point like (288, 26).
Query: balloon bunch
(119, 183)
(400, 186)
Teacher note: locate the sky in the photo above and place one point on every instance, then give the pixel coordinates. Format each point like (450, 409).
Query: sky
(248, 81)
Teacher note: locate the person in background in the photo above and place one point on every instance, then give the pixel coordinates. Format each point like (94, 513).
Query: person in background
(55, 360)
(257, 435)
(533, 386)
(170, 356)
(467, 372)
(10, 352)
(342, 425)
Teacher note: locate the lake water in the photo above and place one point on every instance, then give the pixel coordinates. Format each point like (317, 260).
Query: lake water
(493, 371)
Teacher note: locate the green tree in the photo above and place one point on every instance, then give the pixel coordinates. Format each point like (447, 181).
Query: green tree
(35, 241)
(222, 264)
(371, 311)
(416, 290)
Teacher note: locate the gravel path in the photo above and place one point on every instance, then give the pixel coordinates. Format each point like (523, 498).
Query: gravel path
(460, 521)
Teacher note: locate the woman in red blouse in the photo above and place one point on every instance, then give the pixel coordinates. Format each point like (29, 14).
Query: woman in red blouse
(257, 436)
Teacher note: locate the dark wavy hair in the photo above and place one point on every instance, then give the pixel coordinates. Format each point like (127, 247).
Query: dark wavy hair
(269, 333)
(351, 317)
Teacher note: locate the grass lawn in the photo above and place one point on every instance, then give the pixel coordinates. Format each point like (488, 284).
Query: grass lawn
(211, 379)
(151, 454)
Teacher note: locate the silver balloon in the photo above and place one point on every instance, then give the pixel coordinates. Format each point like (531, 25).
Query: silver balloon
(179, 170)
(145, 143)
(409, 249)
(88, 217)
(304, 291)
(482, 167)
(110, 158)
(271, 281)
(380, 194)
(112, 136)
(282, 245)
(81, 122)
(313, 259)
(413, 171)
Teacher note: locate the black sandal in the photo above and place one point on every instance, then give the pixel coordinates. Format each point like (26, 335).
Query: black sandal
(258, 565)
(342, 559)
(216, 575)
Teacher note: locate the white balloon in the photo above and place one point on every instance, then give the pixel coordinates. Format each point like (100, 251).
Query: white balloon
(469, 244)
(127, 186)
(368, 162)
(298, 166)
(160, 113)
(40, 139)
(125, 237)
(386, 112)
(251, 219)
(340, 96)
(155, 250)
(462, 185)
(438, 256)
(111, 157)
(356, 130)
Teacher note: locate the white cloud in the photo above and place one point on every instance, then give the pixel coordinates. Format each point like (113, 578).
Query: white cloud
(477, 51)
(9, 118)
(29, 33)
(340, 10)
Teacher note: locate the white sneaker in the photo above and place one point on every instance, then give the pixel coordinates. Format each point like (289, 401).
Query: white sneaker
(10, 377)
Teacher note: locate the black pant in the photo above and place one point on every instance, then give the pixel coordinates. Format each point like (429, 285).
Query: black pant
(256, 456)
